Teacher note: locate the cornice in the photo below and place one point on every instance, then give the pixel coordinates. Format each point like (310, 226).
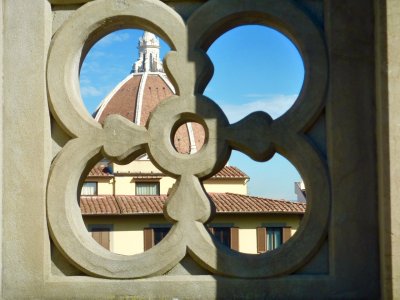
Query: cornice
(69, 2)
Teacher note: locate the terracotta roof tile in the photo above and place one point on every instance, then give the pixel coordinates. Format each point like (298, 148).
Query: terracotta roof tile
(230, 172)
(236, 203)
(224, 203)
(100, 172)
(99, 205)
(141, 204)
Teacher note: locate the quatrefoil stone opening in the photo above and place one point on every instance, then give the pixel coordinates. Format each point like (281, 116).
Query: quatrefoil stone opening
(188, 67)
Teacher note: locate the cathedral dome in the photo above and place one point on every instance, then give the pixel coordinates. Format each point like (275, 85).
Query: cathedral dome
(139, 93)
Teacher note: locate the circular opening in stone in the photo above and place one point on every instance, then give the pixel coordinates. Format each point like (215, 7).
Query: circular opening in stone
(121, 205)
(123, 74)
(188, 137)
(256, 68)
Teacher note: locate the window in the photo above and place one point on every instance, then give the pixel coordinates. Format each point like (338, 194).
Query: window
(222, 235)
(271, 237)
(101, 234)
(274, 237)
(147, 188)
(89, 188)
(159, 234)
(152, 236)
(228, 236)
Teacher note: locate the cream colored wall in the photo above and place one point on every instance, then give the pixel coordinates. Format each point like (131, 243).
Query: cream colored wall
(248, 227)
(136, 166)
(165, 184)
(127, 235)
(124, 185)
(105, 186)
(236, 186)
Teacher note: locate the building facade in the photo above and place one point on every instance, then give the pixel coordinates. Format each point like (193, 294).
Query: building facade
(122, 205)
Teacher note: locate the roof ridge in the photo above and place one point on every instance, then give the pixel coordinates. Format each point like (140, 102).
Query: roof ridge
(127, 195)
(224, 203)
(264, 198)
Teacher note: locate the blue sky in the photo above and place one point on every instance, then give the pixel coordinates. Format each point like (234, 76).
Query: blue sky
(255, 68)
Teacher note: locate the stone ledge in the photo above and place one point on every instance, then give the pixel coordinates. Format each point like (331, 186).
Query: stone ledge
(69, 2)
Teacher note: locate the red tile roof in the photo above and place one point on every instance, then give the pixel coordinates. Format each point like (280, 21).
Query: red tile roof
(100, 172)
(236, 203)
(226, 172)
(99, 205)
(224, 202)
(141, 204)
(230, 172)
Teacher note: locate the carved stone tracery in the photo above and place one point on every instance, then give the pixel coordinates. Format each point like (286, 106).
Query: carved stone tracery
(188, 67)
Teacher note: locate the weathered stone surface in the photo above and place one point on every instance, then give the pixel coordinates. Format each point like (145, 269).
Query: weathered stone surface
(388, 91)
(24, 229)
(341, 134)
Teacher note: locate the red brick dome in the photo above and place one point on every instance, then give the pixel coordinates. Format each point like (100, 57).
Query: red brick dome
(137, 96)
(139, 93)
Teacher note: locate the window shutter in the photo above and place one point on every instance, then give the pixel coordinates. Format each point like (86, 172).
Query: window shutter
(105, 239)
(235, 238)
(286, 233)
(102, 236)
(261, 239)
(148, 238)
(96, 235)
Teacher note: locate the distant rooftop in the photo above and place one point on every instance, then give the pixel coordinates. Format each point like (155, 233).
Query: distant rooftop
(225, 203)
(230, 172)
